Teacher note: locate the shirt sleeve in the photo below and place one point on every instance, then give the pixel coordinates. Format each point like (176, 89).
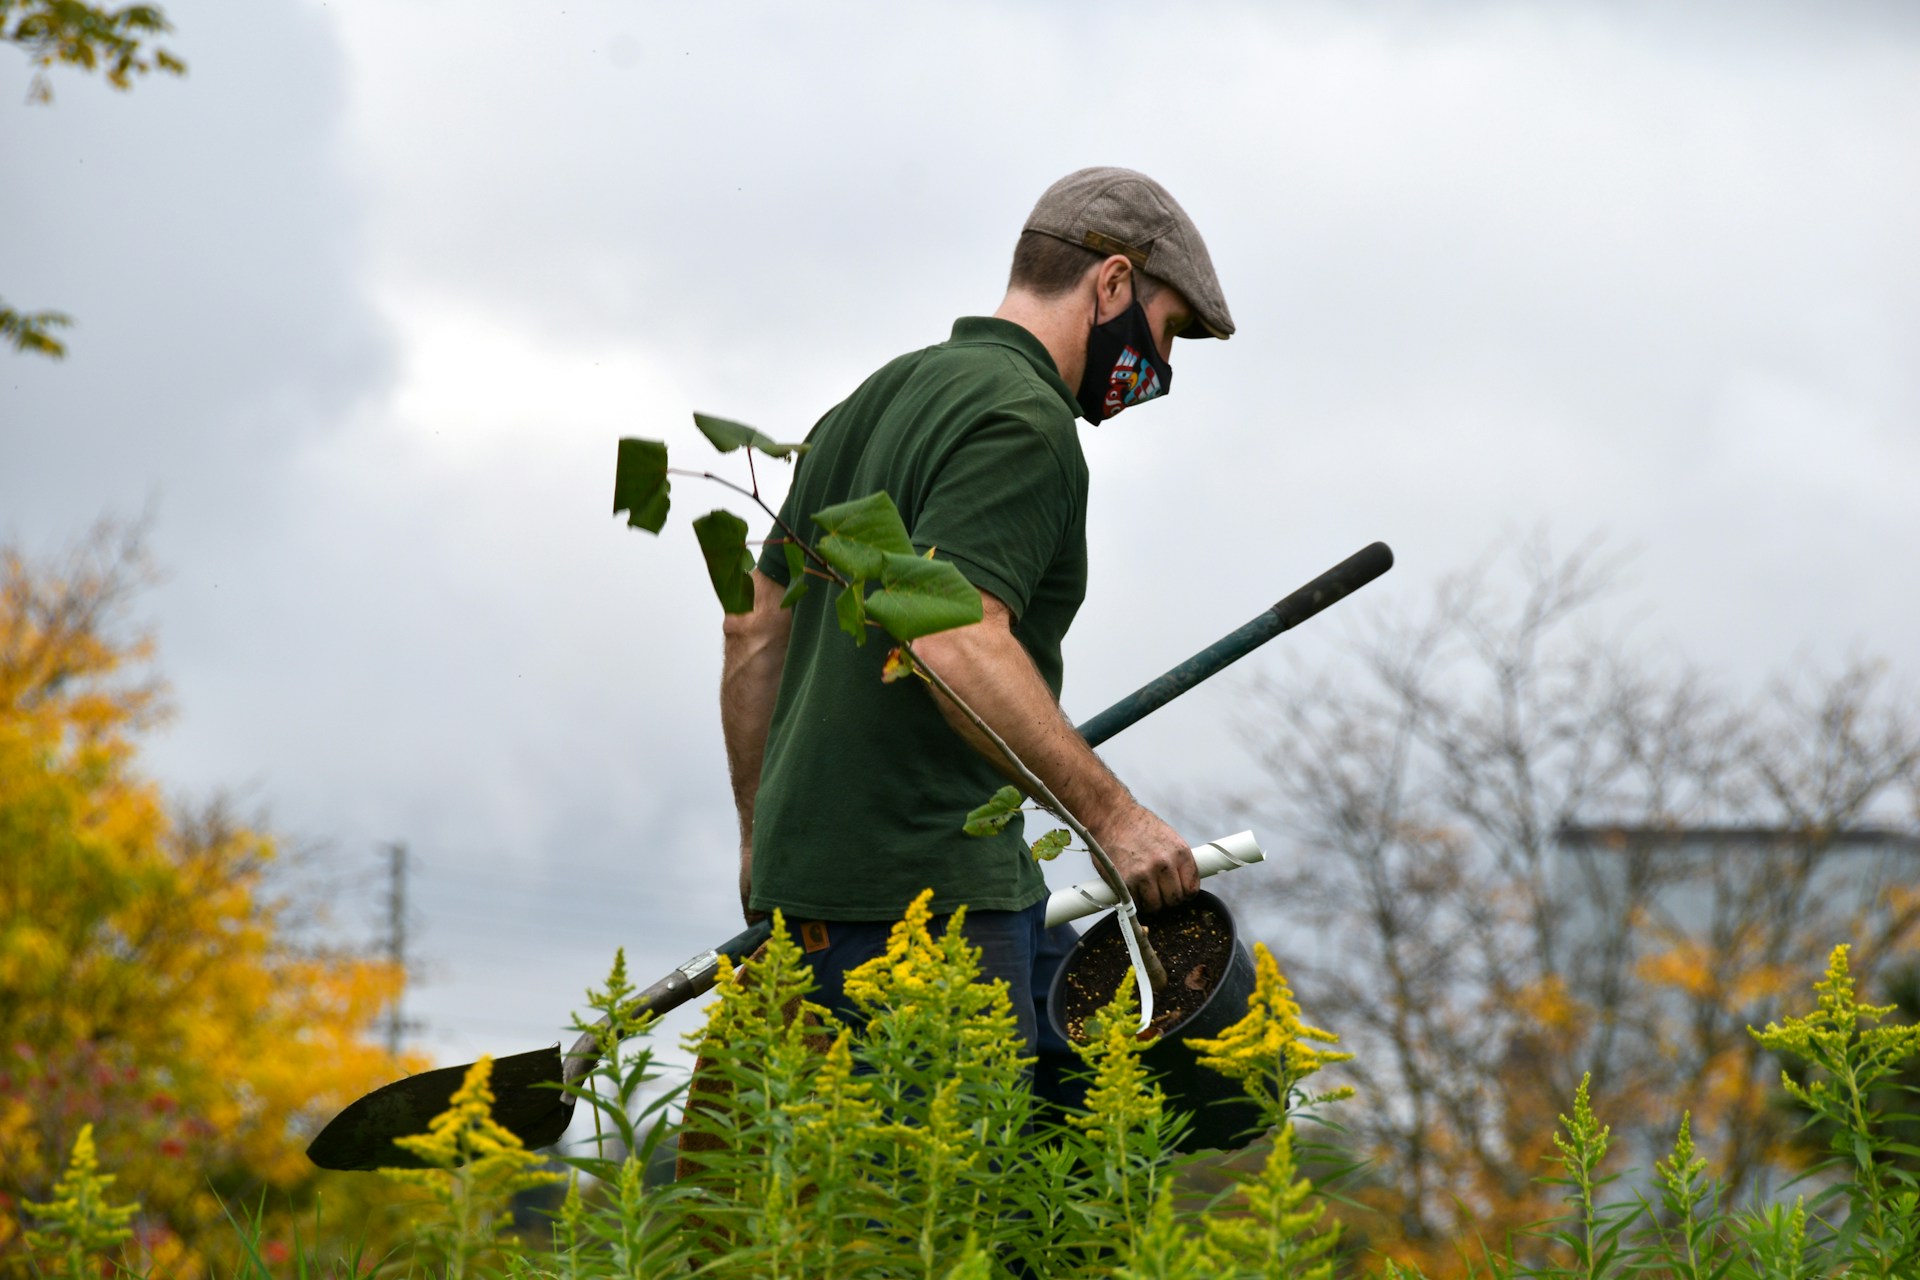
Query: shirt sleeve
(998, 507)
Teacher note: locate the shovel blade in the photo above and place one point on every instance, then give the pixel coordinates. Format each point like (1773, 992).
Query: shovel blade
(527, 1102)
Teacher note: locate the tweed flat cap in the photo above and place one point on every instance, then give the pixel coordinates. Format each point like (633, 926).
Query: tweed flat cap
(1112, 210)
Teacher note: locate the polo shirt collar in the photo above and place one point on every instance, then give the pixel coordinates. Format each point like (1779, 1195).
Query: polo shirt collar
(992, 331)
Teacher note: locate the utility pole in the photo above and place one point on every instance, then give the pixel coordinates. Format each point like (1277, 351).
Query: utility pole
(397, 1024)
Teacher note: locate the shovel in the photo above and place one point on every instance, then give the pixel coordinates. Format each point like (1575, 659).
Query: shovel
(529, 1100)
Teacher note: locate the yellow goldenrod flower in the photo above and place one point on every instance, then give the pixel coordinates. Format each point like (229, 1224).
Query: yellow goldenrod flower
(1280, 1234)
(1122, 1099)
(466, 1134)
(81, 1220)
(1831, 1036)
(477, 1166)
(901, 967)
(927, 990)
(1271, 1050)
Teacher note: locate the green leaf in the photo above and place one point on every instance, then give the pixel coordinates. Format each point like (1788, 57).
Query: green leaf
(728, 436)
(640, 484)
(919, 597)
(796, 576)
(1048, 846)
(993, 816)
(723, 541)
(861, 533)
(853, 612)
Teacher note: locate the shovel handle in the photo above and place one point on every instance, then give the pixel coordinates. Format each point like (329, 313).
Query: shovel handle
(1345, 578)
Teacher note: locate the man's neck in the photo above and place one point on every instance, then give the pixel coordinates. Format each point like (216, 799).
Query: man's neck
(1060, 325)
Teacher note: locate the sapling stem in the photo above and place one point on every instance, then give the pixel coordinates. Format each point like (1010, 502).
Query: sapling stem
(753, 495)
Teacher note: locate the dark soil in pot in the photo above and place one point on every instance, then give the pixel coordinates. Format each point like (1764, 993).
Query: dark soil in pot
(1210, 979)
(1194, 945)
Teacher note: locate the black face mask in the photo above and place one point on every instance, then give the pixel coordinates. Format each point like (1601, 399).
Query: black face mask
(1123, 366)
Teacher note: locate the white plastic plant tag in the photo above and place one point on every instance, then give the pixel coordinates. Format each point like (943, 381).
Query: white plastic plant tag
(1128, 923)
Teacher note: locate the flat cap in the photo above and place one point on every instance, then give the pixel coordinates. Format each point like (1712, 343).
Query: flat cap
(1113, 210)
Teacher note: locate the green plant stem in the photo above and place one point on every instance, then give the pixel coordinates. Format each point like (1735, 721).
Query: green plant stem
(753, 495)
(1869, 1176)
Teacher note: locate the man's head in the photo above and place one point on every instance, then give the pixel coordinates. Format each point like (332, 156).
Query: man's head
(1108, 270)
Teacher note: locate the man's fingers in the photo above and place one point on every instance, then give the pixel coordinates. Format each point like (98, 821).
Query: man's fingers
(1140, 878)
(1173, 889)
(1155, 862)
(1189, 874)
(1164, 881)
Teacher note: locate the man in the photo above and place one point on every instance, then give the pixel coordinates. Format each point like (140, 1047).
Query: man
(852, 792)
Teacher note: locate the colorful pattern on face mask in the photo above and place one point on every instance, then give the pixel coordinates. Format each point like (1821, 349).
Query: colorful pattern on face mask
(1133, 381)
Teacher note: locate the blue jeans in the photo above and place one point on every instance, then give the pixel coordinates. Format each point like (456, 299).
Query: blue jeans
(1015, 946)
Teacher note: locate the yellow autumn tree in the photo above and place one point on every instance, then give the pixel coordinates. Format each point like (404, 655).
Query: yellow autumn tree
(145, 989)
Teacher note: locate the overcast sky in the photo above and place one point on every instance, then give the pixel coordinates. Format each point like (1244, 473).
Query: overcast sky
(365, 301)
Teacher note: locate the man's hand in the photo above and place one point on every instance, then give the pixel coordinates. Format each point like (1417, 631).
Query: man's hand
(1154, 861)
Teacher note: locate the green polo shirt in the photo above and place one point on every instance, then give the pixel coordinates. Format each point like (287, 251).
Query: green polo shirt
(865, 787)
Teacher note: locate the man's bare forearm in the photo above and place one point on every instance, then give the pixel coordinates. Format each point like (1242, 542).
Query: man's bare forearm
(755, 651)
(987, 667)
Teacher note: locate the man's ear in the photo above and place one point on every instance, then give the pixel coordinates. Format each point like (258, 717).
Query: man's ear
(1112, 281)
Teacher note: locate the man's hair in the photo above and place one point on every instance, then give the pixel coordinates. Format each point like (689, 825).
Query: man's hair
(1049, 266)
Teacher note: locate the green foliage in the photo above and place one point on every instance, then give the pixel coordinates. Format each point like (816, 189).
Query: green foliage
(993, 816)
(1272, 1052)
(865, 541)
(1592, 1232)
(861, 534)
(1865, 1224)
(633, 1234)
(1774, 1241)
(1851, 1056)
(1051, 845)
(723, 542)
(1687, 1236)
(851, 609)
(30, 332)
(70, 33)
(1282, 1235)
(727, 436)
(79, 1221)
(640, 484)
(918, 597)
(475, 1168)
(909, 1146)
(796, 575)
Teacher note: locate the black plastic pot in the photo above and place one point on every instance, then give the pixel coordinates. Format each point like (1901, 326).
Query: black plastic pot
(1223, 1115)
